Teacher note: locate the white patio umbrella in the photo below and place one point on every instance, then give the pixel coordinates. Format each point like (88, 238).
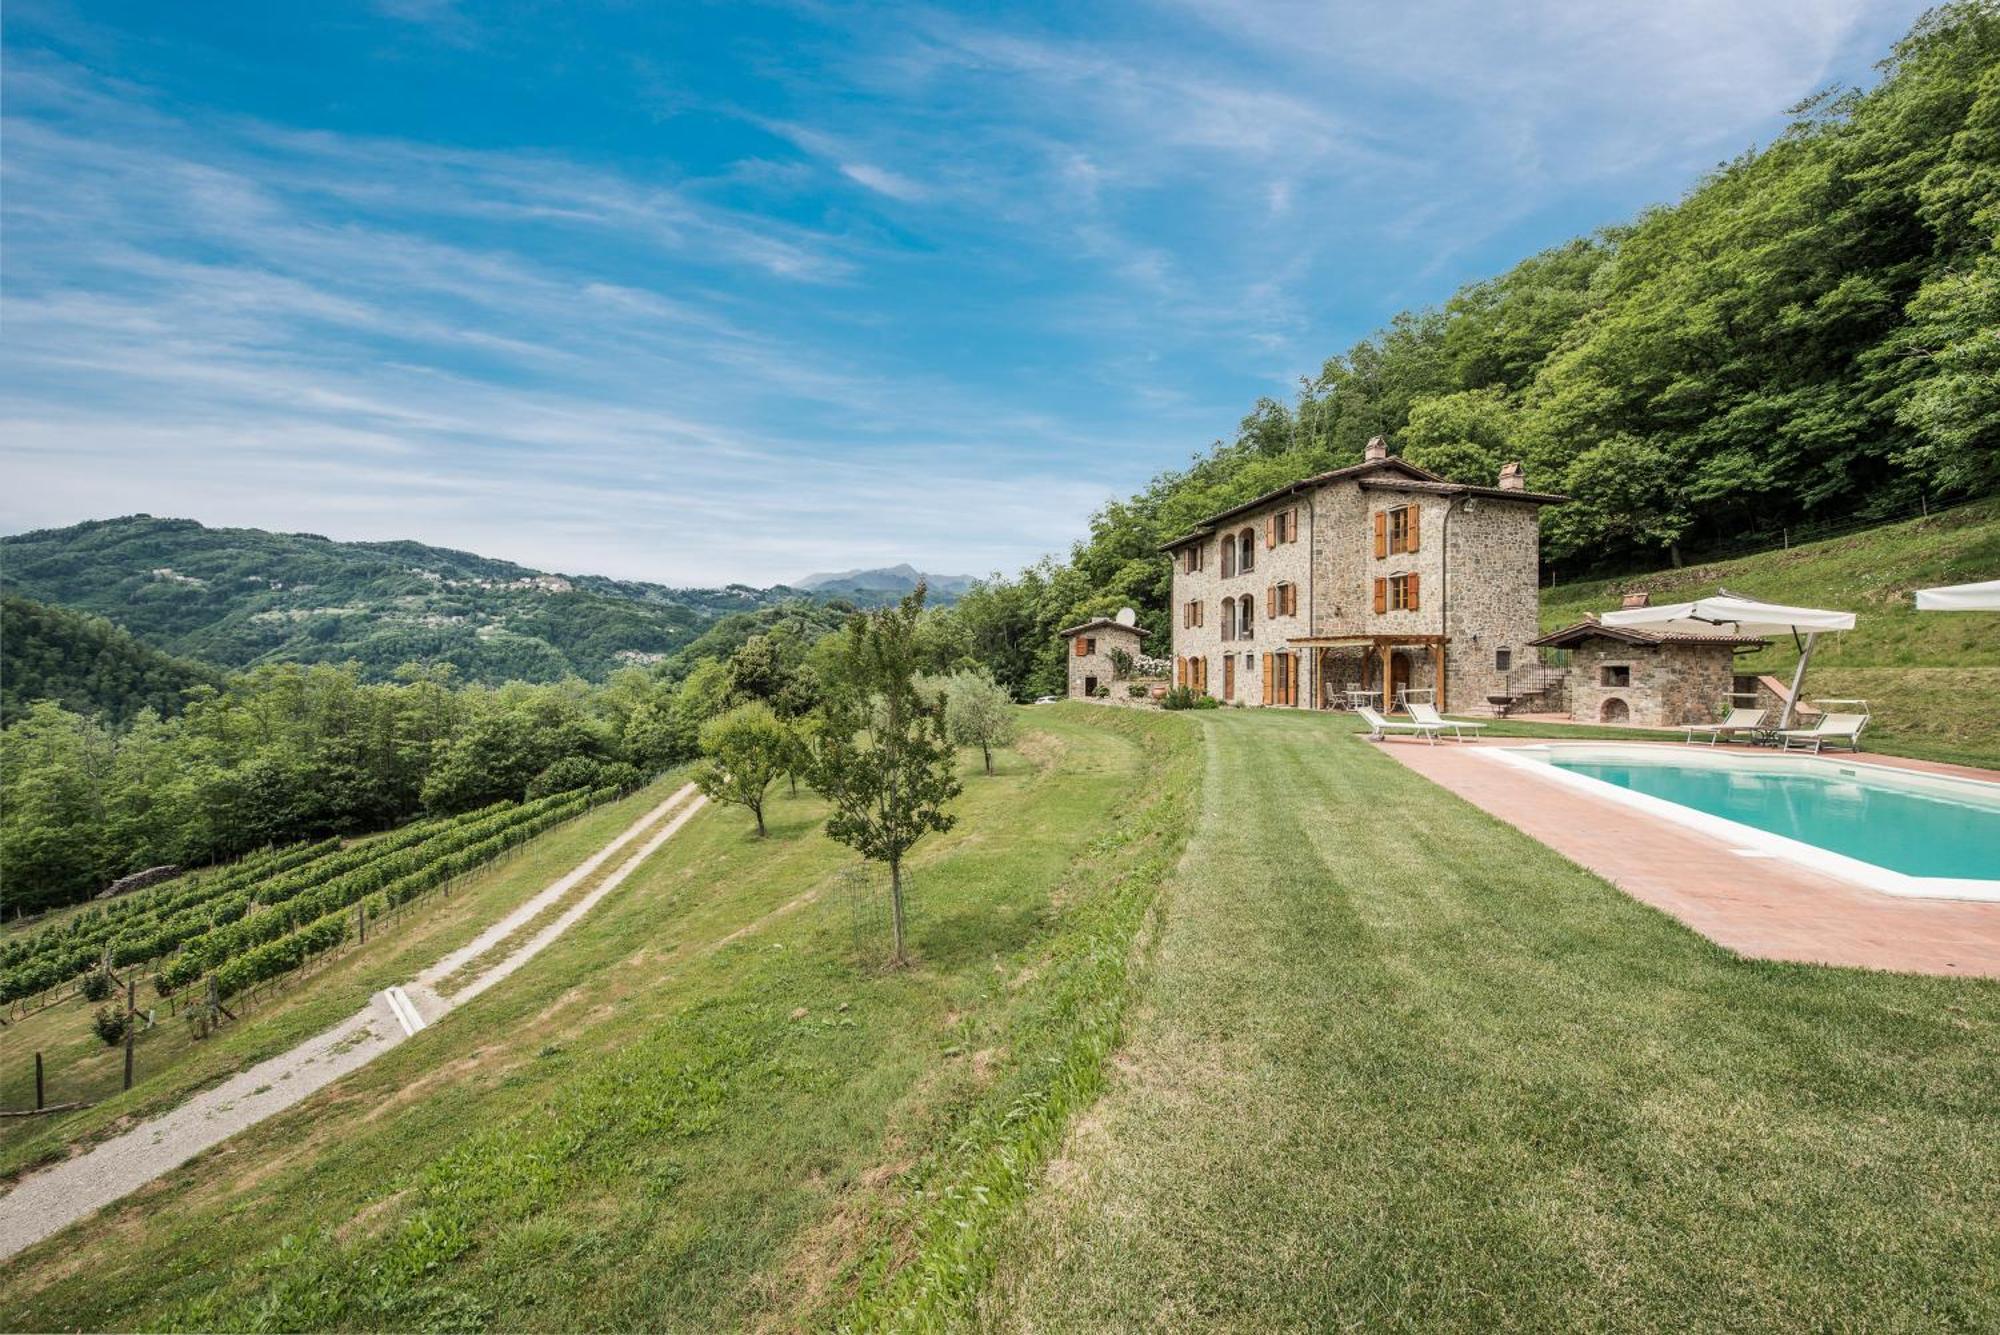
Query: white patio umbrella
(1743, 616)
(1961, 598)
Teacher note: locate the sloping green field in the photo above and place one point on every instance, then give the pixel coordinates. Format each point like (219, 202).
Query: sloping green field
(710, 1104)
(1931, 679)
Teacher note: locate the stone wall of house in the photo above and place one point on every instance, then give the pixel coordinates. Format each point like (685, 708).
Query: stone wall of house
(1671, 684)
(1286, 563)
(1491, 601)
(1098, 665)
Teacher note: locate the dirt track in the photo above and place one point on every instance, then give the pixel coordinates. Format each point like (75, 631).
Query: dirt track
(45, 1202)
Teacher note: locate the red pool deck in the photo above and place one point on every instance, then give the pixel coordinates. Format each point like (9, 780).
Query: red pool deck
(1761, 907)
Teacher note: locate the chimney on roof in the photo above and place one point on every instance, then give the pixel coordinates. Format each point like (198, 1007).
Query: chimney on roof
(1377, 448)
(1513, 477)
(1632, 600)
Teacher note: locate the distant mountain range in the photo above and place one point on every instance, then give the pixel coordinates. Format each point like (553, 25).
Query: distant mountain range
(885, 582)
(238, 597)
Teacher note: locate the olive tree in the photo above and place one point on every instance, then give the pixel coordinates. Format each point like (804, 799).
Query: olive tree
(978, 712)
(743, 751)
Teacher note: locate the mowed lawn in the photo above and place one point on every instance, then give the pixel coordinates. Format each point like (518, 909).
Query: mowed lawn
(1398, 1065)
(711, 1104)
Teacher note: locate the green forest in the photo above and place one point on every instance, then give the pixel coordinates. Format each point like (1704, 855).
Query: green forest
(88, 665)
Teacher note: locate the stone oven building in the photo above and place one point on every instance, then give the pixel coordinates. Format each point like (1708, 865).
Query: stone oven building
(1380, 576)
(1657, 679)
(1089, 655)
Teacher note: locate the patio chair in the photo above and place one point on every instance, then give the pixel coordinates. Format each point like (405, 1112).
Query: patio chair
(1831, 730)
(1739, 720)
(1428, 714)
(1380, 726)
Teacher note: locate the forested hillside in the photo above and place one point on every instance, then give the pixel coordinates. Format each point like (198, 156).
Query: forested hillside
(86, 664)
(1812, 333)
(238, 597)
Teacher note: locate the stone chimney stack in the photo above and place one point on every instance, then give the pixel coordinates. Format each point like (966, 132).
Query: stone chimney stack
(1377, 448)
(1513, 477)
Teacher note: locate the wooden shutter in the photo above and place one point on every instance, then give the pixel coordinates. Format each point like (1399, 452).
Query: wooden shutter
(1292, 524)
(1381, 596)
(1270, 530)
(1381, 534)
(1270, 601)
(1413, 591)
(1410, 541)
(1268, 672)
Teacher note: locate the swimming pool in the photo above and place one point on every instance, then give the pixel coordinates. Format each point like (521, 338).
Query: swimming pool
(1893, 830)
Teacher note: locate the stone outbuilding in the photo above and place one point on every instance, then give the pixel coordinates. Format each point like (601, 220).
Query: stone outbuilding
(1089, 653)
(1648, 678)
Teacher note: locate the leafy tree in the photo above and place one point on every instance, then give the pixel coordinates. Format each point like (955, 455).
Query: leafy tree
(883, 757)
(978, 712)
(745, 750)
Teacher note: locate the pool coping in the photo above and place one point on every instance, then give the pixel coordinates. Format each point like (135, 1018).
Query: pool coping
(1757, 908)
(1748, 840)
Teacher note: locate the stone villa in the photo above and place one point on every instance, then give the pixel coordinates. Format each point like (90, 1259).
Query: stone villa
(1380, 576)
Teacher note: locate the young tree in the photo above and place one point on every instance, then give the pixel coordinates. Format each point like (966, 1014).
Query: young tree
(978, 712)
(745, 750)
(883, 757)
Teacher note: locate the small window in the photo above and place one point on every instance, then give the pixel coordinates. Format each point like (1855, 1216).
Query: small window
(1402, 593)
(1246, 551)
(1615, 674)
(1399, 529)
(1503, 659)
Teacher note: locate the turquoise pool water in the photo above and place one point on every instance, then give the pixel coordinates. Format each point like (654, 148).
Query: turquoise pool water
(1919, 832)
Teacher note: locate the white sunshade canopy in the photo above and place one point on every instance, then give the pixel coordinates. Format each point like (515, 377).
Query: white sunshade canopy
(1730, 612)
(1961, 598)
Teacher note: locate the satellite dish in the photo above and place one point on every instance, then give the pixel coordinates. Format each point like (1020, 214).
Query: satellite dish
(1127, 617)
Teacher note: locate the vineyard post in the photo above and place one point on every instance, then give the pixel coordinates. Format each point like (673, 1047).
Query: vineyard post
(361, 920)
(38, 1082)
(131, 1015)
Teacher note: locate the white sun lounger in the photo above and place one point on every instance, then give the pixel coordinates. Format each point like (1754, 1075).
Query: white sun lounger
(1834, 729)
(1428, 715)
(1380, 727)
(1739, 720)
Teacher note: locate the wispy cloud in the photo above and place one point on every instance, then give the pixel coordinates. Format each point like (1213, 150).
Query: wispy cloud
(702, 302)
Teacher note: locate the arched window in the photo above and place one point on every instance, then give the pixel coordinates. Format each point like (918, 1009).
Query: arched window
(1246, 551)
(1228, 557)
(1246, 610)
(1228, 618)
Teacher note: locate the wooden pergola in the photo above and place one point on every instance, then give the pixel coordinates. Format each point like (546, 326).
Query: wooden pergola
(1380, 648)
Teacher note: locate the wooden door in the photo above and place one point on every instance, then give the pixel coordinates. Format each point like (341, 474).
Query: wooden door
(1399, 677)
(1228, 677)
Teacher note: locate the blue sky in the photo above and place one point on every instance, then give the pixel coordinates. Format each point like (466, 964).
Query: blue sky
(701, 293)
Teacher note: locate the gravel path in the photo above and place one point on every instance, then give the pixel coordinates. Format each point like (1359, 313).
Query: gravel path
(57, 1197)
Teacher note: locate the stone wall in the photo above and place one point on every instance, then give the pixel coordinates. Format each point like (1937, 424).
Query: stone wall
(1098, 665)
(1492, 598)
(1671, 683)
(1288, 562)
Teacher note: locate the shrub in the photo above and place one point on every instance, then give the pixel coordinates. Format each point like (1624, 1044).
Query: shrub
(109, 1024)
(96, 985)
(1137, 690)
(1179, 697)
(571, 772)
